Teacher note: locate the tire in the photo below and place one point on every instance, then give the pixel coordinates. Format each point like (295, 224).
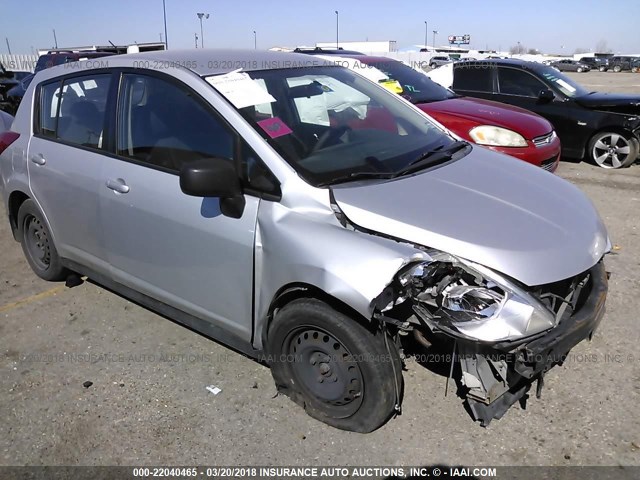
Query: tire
(617, 69)
(433, 65)
(579, 70)
(37, 244)
(602, 69)
(613, 150)
(336, 369)
(636, 142)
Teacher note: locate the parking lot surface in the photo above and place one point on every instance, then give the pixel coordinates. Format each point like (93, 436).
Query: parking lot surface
(89, 378)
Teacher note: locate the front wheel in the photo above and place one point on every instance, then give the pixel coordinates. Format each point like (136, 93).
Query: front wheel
(580, 70)
(617, 68)
(613, 150)
(340, 372)
(37, 244)
(602, 69)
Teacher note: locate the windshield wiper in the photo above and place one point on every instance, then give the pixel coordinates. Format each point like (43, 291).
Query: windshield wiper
(353, 176)
(432, 157)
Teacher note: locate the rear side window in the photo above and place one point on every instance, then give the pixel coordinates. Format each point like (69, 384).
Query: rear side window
(473, 77)
(519, 82)
(76, 110)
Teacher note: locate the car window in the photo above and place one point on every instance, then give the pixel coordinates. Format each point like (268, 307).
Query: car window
(473, 77)
(49, 99)
(166, 125)
(76, 111)
(328, 122)
(518, 82)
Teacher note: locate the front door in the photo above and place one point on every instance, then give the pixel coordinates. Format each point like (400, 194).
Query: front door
(172, 247)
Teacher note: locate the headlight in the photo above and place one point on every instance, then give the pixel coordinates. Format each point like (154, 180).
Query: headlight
(496, 137)
(471, 301)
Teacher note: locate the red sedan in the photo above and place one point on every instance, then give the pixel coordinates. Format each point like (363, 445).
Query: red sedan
(500, 127)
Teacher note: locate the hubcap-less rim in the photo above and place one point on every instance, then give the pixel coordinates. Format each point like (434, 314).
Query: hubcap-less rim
(326, 370)
(611, 151)
(37, 242)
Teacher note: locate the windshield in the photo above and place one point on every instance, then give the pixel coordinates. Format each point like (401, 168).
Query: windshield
(561, 82)
(417, 87)
(330, 123)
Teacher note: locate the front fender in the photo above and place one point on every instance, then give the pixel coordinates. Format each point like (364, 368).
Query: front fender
(294, 247)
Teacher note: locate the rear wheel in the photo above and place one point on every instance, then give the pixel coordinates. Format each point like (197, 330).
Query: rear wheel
(613, 150)
(37, 243)
(602, 69)
(617, 68)
(340, 372)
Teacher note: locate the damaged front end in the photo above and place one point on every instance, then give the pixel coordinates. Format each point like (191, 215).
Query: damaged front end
(504, 336)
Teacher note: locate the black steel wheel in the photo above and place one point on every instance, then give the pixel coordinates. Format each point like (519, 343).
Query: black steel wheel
(37, 243)
(339, 371)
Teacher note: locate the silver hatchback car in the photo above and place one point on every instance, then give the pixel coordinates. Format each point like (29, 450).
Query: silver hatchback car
(307, 217)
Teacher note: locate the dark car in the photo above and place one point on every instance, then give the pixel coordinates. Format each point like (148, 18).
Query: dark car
(623, 63)
(16, 92)
(571, 66)
(596, 63)
(605, 127)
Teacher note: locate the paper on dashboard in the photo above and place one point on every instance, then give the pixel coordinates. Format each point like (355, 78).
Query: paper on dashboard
(240, 89)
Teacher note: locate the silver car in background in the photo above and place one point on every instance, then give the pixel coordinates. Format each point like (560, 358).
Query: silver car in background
(307, 217)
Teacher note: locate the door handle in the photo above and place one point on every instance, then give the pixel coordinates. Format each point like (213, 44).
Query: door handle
(118, 186)
(38, 159)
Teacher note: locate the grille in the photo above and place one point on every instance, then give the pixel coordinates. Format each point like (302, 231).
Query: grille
(566, 297)
(544, 139)
(548, 164)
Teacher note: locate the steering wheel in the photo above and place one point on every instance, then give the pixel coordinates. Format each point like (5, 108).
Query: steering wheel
(330, 135)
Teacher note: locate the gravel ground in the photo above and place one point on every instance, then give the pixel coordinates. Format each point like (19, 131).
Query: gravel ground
(147, 402)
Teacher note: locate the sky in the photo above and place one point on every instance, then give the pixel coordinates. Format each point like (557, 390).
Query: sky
(552, 26)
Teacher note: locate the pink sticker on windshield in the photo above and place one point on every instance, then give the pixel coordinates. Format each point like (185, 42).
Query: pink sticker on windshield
(274, 127)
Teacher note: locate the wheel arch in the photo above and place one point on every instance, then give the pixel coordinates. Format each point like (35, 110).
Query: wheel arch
(16, 199)
(299, 290)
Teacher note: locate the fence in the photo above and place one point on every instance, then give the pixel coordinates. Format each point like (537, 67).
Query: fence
(23, 63)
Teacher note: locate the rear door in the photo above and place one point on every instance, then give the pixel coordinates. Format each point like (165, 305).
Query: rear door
(66, 154)
(172, 247)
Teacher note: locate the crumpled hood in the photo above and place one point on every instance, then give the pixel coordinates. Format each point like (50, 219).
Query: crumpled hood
(486, 112)
(509, 216)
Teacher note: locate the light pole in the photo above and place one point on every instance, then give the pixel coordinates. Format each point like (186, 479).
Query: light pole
(166, 38)
(201, 16)
(426, 32)
(337, 28)
(255, 40)
(435, 32)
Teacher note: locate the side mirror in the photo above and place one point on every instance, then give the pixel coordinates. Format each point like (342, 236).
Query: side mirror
(214, 177)
(546, 96)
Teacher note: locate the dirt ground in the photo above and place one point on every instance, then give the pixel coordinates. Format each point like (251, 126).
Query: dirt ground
(148, 403)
